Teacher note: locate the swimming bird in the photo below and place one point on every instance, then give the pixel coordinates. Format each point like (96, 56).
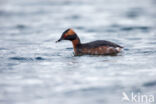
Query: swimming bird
(98, 47)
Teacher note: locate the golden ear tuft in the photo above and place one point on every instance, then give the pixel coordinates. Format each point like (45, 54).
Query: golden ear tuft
(71, 32)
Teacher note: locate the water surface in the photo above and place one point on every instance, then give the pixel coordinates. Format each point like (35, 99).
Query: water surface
(36, 70)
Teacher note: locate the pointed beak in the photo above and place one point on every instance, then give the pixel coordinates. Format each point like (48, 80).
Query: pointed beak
(59, 40)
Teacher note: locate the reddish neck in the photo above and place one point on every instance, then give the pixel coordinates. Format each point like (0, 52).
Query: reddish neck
(75, 43)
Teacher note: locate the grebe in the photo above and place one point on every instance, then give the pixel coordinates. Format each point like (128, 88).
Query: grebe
(99, 47)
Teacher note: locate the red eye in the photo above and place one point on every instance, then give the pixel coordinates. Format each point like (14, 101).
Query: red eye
(64, 36)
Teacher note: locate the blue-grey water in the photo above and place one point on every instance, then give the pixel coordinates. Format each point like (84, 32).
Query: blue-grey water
(36, 70)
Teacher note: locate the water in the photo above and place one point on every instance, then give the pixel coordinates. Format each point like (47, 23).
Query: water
(36, 70)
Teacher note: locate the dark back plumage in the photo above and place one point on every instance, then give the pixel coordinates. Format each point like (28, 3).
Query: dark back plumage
(99, 43)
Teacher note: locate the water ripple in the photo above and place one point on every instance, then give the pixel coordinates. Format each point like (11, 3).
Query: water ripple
(131, 28)
(26, 58)
(150, 84)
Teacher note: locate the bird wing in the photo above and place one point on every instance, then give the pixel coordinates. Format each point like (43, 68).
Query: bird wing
(98, 43)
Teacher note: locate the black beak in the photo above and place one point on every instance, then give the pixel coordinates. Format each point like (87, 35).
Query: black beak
(59, 40)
